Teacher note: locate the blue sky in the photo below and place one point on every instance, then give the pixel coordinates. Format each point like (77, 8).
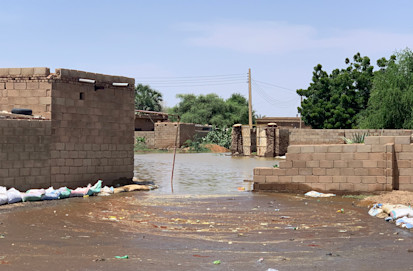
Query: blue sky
(182, 46)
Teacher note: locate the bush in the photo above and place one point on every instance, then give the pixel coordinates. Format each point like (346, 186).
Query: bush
(219, 136)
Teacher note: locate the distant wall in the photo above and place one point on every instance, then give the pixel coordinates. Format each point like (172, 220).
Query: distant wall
(381, 164)
(335, 136)
(165, 134)
(149, 138)
(25, 153)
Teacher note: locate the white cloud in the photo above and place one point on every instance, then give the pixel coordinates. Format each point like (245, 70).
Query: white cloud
(269, 37)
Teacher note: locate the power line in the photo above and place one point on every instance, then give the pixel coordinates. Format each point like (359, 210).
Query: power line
(195, 85)
(200, 76)
(265, 83)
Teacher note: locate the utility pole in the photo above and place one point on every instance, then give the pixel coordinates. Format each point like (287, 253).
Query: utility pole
(301, 104)
(249, 100)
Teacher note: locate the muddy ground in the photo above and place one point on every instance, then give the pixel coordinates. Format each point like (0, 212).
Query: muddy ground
(245, 231)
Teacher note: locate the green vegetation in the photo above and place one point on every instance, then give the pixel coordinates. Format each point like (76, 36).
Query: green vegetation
(334, 100)
(147, 98)
(358, 97)
(357, 138)
(219, 136)
(391, 100)
(212, 109)
(356, 196)
(196, 145)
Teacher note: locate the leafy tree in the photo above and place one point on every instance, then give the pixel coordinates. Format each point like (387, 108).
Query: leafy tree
(212, 109)
(391, 100)
(147, 98)
(334, 100)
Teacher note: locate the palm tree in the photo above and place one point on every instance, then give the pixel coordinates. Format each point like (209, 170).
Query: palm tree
(147, 98)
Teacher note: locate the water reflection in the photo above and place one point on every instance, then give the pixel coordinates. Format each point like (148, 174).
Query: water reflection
(198, 173)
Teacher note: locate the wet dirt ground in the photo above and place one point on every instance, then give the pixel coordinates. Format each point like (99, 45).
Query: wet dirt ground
(245, 231)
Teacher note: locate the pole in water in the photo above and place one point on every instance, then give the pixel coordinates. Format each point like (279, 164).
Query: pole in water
(173, 162)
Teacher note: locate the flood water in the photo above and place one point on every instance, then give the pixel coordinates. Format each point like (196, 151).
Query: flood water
(198, 173)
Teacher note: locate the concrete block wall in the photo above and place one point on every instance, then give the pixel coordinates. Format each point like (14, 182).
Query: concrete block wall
(335, 136)
(149, 137)
(26, 88)
(165, 134)
(25, 153)
(373, 166)
(92, 130)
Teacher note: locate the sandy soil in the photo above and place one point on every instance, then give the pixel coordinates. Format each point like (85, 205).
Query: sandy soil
(216, 148)
(393, 197)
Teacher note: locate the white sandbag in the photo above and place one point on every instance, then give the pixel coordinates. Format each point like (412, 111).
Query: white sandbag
(13, 195)
(51, 194)
(3, 195)
(80, 191)
(316, 194)
(33, 195)
(398, 213)
(95, 188)
(387, 208)
(106, 191)
(405, 222)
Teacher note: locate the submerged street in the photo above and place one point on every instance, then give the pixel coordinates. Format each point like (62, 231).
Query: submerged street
(244, 231)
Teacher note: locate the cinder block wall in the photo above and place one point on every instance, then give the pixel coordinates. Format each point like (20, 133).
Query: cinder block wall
(25, 153)
(92, 129)
(149, 137)
(26, 88)
(165, 134)
(373, 166)
(335, 136)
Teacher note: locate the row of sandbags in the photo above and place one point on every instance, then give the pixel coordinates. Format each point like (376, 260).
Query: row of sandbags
(402, 215)
(13, 195)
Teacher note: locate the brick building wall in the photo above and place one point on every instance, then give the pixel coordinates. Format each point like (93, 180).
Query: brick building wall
(382, 163)
(26, 88)
(91, 132)
(25, 153)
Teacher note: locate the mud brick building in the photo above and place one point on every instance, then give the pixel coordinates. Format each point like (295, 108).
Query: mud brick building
(82, 129)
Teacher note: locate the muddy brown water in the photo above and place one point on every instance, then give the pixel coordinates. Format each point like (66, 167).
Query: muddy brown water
(198, 173)
(189, 231)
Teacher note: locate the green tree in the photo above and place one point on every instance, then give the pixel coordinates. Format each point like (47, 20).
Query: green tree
(391, 100)
(335, 100)
(147, 98)
(212, 109)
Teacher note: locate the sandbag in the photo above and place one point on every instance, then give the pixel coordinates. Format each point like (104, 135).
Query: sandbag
(64, 192)
(316, 194)
(387, 208)
(13, 195)
(397, 213)
(80, 191)
(135, 187)
(33, 195)
(95, 188)
(405, 222)
(51, 194)
(119, 190)
(106, 191)
(3, 195)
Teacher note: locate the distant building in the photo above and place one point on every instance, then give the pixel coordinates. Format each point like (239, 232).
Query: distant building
(145, 120)
(283, 122)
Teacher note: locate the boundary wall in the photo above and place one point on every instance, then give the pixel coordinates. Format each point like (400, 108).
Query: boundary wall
(382, 163)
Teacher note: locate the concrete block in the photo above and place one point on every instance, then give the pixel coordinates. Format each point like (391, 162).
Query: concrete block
(15, 71)
(298, 179)
(354, 179)
(256, 178)
(307, 149)
(285, 164)
(376, 156)
(361, 155)
(405, 179)
(340, 164)
(318, 186)
(347, 172)
(291, 171)
(347, 187)
(294, 149)
(285, 179)
(363, 148)
(278, 172)
(326, 163)
(299, 164)
(376, 171)
(372, 140)
(369, 179)
(271, 179)
(361, 187)
(305, 171)
(404, 140)
(333, 156)
(320, 149)
(376, 187)
(335, 149)
(313, 164)
(333, 172)
(266, 171)
(332, 186)
(368, 163)
(325, 179)
(386, 139)
(319, 171)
